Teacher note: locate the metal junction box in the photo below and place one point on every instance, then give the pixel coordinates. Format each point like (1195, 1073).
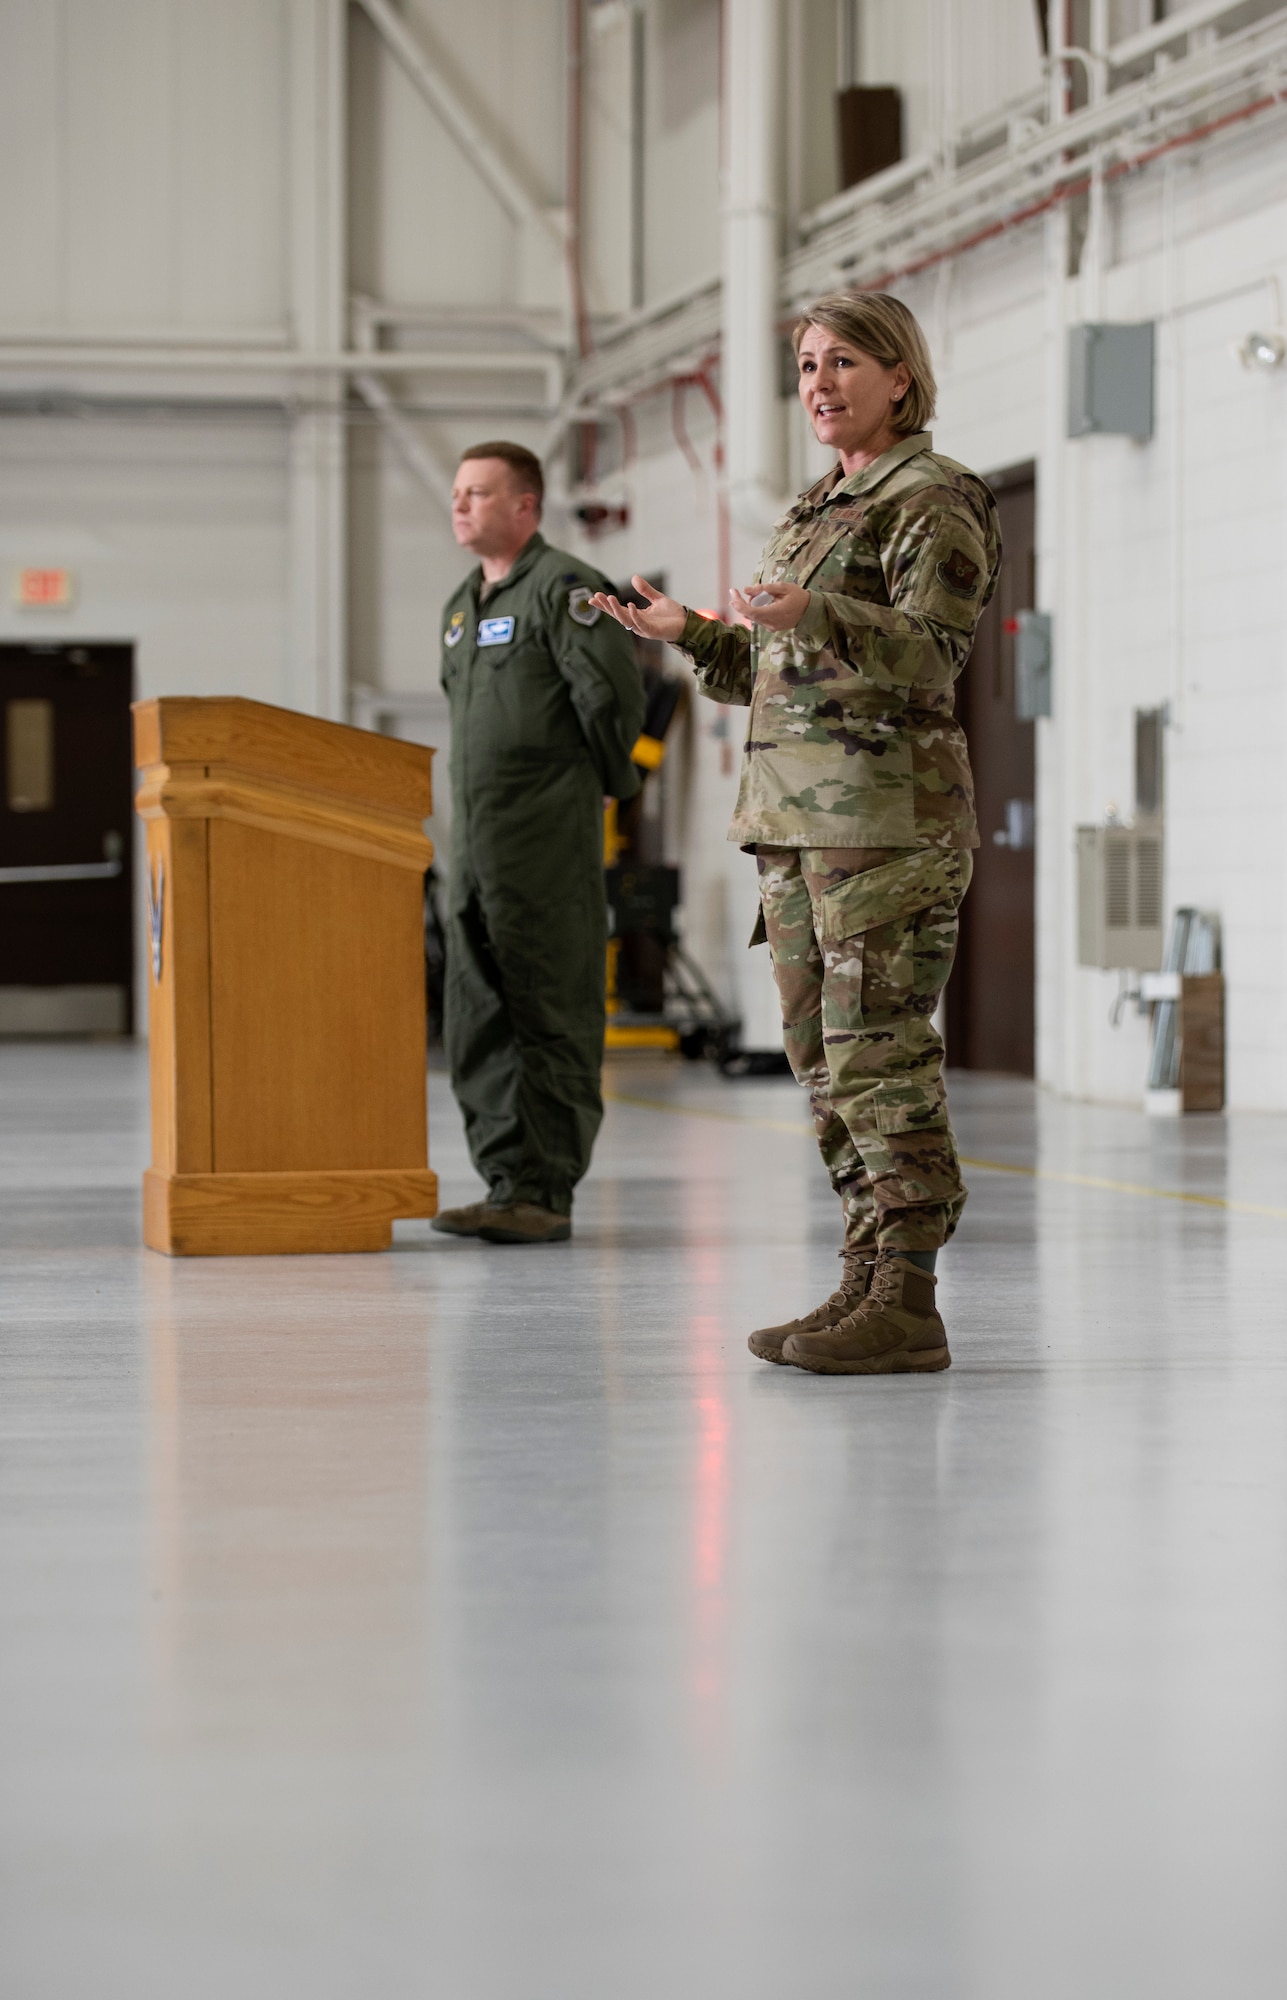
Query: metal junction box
(1119, 897)
(1110, 380)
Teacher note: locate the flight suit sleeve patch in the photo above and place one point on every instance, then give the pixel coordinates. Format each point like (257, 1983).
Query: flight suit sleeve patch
(580, 609)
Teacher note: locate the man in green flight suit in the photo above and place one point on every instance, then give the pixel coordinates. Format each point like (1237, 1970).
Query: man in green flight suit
(546, 707)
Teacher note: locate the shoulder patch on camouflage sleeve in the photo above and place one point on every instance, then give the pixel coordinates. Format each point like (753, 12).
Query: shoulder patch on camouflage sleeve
(580, 609)
(958, 574)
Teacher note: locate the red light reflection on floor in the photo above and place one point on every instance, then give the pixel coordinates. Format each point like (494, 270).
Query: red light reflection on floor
(709, 1546)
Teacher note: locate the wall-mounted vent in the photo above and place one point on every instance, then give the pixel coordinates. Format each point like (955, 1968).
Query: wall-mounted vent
(1119, 897)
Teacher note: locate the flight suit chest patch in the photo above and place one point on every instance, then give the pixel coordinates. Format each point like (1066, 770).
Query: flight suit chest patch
(455, 631)
(495, 631)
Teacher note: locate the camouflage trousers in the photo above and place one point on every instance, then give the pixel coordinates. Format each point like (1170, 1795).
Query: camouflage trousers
(862, 941)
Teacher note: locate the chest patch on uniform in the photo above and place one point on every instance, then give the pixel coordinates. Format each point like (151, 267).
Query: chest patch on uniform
(958, 574)
(495, 631)
(580, 609)
(455, 631)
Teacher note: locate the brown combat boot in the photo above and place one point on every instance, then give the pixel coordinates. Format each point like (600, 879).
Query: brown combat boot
(524, 1222)
(895, 1331)
(466, 1221)
(855, 1278)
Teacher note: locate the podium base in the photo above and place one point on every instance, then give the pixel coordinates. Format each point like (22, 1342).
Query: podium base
(271, 1215)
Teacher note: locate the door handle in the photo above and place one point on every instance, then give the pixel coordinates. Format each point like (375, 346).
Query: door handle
(64, 871)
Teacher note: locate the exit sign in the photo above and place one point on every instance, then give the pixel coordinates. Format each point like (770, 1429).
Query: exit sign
(43, 589)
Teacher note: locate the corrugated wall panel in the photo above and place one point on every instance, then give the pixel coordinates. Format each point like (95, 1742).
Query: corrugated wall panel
(142, 149)
(426, 227)
(117, 133)
(232, 99)
(953, 59)
(30, 162)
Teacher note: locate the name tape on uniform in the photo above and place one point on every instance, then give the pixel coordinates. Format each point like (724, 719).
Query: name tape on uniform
(495, 631)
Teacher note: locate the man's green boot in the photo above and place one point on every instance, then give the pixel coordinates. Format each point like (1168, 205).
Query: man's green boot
(895, 1330)
(525, 1222)
(855, 1277)
(465, 1221)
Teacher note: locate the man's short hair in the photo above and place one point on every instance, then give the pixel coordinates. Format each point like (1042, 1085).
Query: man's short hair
(524, 464)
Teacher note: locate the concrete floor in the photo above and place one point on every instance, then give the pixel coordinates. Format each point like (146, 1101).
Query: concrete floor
(485, 1624)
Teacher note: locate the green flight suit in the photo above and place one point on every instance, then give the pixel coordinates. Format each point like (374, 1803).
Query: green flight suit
(546, 706)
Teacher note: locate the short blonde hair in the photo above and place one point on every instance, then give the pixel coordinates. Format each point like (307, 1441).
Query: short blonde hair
(890, 333)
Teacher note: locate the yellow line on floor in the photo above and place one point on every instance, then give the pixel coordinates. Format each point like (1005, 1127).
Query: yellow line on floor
(983, 1166)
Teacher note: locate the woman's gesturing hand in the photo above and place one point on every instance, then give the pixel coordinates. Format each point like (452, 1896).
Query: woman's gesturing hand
(779, 606)
(661, 618)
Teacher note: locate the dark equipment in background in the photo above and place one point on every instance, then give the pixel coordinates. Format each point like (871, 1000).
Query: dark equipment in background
(435, 955)
(991, 995)
(674, 992)
(657, 995)
(869, 130)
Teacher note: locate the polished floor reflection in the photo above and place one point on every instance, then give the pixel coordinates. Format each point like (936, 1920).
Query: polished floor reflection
(485, 1623)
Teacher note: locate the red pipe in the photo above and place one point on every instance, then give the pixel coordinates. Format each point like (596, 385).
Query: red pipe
(1067, 189)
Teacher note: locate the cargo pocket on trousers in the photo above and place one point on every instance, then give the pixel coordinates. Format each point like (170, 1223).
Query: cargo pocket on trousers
(870, 921)
(895, 890)
(908, 1107)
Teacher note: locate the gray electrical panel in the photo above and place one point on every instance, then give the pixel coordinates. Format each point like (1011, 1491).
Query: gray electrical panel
(1110, 380)
(1033, 658)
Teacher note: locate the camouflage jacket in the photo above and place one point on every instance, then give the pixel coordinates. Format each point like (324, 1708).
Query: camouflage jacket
(852, 741)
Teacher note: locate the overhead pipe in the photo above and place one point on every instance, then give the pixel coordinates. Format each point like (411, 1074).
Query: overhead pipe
(751, 225)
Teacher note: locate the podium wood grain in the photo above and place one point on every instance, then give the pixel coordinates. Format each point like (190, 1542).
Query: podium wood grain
(288, 1018)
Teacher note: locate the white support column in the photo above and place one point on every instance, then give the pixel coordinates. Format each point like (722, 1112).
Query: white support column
(751, 254)
(752, 228)
(317, 611)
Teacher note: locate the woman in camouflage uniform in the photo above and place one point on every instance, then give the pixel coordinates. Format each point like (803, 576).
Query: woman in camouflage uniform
(857, 801)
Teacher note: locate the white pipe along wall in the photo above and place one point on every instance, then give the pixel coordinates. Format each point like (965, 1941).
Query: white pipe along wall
(751, 247)
(750, 242)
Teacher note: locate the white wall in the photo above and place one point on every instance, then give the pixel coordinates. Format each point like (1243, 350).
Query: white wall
(425, 229)
(175, 532)
(953, 60)
(1161, 563)
(144, 165)
(163, 175)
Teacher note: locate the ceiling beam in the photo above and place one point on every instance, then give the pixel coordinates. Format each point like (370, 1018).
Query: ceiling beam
(480, 147)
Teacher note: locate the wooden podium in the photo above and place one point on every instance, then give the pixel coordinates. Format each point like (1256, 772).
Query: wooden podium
(287, 985)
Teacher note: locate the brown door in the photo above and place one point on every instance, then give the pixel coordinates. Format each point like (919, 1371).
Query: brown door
(65, 822)
(990, 997)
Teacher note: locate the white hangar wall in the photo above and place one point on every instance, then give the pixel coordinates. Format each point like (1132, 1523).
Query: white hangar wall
(243, 178)
(144, 163)
(1161, 562)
